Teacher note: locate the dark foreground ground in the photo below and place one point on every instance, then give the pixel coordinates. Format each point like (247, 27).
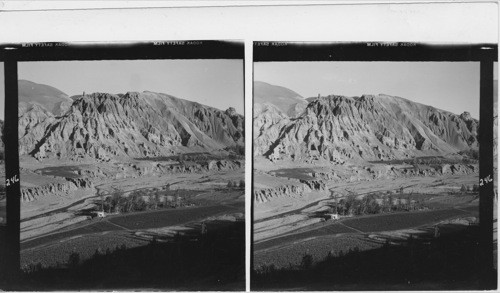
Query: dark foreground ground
(214, 261)
(449, 262)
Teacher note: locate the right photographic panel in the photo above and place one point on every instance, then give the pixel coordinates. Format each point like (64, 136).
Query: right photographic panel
(370, 169)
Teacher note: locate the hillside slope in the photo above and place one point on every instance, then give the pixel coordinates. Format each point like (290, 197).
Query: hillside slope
(103, 126)
(286, 100)
(50, 98)
(338, 128)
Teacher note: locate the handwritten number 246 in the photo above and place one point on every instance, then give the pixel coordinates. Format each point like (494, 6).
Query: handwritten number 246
(486, 180)
(12, 180)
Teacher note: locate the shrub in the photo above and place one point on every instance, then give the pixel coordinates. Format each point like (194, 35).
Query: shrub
(307, 261)
(74, 259)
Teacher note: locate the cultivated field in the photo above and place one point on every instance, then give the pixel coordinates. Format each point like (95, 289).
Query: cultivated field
(288, 226)
(54, 226)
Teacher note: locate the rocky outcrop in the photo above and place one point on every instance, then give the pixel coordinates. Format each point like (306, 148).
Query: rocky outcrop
(71, 184)
(223, 165)
(338, 128)
(133, 170)
(104, 126)
(214, 165)
(330, 176)
(267, 125)
(290, 190)
(268, 194)
(314, 184)
(459, 169)
(33, 125)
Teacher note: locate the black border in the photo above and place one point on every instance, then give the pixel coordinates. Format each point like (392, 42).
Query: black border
(486, 54)
(183, 49)
(265, 51)
(11, 231)
(11, 54)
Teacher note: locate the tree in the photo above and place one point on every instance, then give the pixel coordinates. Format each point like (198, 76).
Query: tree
(399, 204)
(307, 261)
(107, 205)
(463, 188)
(158, 200)
(152, 201)
(177, 201)
(204, 230)
(229, 184)
(74, 259)
(101, 195)
(242, 183)
(138, 203)
(390, 199)
(475, 187)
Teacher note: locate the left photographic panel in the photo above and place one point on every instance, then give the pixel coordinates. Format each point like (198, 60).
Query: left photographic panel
(132, 166)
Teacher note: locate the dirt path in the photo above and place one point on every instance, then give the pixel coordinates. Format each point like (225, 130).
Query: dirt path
(349, 227)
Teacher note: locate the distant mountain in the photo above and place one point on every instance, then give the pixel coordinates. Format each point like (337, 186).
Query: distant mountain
(285, 100)
(338, 128)
(50, 98)
(103, 126)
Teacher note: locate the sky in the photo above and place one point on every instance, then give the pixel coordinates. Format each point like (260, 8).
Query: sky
(451, 86)
(217, 83)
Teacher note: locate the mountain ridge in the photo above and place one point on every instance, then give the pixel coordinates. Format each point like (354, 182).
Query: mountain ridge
(338, 128)
(286, 100)
(51, 98)
(103, 126)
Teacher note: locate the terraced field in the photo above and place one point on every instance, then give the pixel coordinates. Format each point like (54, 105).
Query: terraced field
(163, 218)
(388, 222)
(135, 221)
(334, 236)
(318, 248)
(324, 230)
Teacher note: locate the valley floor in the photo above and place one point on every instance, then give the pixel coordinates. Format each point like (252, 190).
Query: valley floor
(55, 225)
(293, 224)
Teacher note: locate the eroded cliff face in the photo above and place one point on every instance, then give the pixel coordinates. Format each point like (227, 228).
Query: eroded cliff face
(156, 168)
(85, 177)
(103, 126)
(338, 128)
(267, 125)
(56, 189)
(268, 194)
(358, 174)
(33, 124)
